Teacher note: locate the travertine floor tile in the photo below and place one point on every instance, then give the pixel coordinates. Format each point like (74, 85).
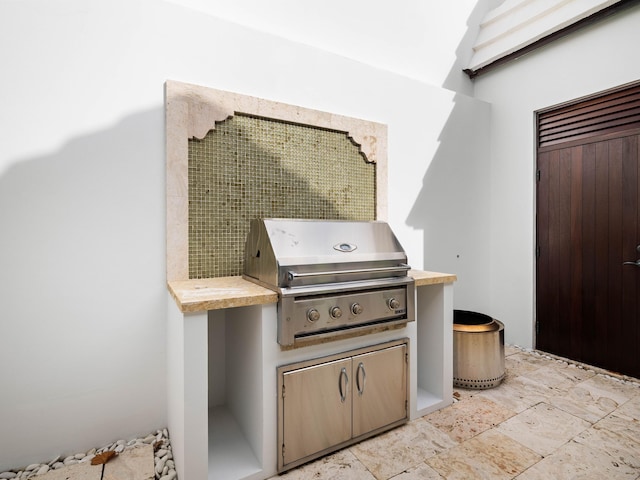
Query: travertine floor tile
(342, 465)
(518, 363)
(580, 402)
(623, 426)
(587, 426)
(630, 409)
(463, 393)
(133, 464)
(530, 361)
(625, 421)
(490, 455)
(600, 386)
(574, 461)
(421, 472)
(543, 428)
(519, 394)
(511, 350)
(559, 376)
(402, 448)
(619, 447)
(468, 418)
(79, 471)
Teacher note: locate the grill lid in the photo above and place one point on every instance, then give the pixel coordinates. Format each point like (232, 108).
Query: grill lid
(291, 252)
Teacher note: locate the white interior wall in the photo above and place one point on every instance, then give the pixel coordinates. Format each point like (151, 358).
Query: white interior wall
(82, 211)
(593, 59)
(452, 207)
(418, 39)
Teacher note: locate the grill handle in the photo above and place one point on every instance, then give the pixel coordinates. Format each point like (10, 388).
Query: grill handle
(396, 268)
(359, 384)
(343, 391)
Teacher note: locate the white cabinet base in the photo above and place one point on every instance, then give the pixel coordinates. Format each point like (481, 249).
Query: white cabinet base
(222, 380)
(230, 454)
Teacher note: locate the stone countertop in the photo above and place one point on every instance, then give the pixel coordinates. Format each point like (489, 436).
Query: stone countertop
(199, 295)
(431, 278)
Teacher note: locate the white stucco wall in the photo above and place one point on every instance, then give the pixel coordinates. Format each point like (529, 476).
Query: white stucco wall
(427, 41)
(82, 255)
(591, 60)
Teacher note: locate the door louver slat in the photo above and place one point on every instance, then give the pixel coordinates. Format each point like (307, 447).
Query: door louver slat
(614, 112)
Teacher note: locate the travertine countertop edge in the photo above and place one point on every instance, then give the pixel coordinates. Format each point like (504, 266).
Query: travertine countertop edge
(200, 295)
(422, 277)
(218, 293)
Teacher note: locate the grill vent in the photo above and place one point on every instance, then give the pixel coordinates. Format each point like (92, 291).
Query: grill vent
(613, 112)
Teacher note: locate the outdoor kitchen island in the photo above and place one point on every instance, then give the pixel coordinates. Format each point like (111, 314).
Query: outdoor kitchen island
(223, 356)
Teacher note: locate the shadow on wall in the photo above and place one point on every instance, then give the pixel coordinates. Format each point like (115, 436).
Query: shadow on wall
(83, 287)
(457, 80)
(452, 207)
(256, 168)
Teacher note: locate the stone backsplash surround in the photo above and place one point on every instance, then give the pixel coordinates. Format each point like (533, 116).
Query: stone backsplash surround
(305, 173)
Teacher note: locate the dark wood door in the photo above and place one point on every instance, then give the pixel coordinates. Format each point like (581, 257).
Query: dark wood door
(588, 226)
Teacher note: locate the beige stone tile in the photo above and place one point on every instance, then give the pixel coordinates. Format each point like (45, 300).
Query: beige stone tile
(342, 465)
(421, 472)
(79, 471)
(531, 360)
(618, 446)
(464, 393)
(469, 417)
(630, 409)
(401, 449)
(622, 425)
(580, 402)
(490, 455)
(612, 388)
(519, 394)
(574, 461)
(132, 464)
(560, 376)
(511, 350)
(556, 401)
(519, 363)
(543, 428)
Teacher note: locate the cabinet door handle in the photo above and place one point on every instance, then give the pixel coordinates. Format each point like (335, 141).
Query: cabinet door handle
(360, 385)
(343, 390)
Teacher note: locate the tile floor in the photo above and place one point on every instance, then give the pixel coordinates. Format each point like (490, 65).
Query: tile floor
(549, 419)
(133, 464)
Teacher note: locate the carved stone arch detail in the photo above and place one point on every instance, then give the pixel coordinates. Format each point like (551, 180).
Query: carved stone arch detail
(193, 111)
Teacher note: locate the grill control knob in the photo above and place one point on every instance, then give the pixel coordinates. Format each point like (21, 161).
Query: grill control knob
(393, 304)
(356, 309)
(313, 315)
(335, 312)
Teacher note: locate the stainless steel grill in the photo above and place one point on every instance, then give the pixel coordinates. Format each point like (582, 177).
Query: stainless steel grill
(332, 276)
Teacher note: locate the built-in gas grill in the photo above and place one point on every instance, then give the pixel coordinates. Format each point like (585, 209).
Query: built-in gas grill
(332, 276)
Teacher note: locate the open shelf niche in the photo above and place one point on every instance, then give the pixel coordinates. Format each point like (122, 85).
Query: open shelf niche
(235, 386)
(433, 357)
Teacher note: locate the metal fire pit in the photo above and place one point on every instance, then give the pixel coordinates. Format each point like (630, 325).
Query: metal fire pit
(478, 350)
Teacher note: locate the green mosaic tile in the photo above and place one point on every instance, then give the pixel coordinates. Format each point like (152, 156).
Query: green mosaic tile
(250, 167)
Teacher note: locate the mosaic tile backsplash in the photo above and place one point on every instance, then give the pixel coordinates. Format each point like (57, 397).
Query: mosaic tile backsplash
(250, 167)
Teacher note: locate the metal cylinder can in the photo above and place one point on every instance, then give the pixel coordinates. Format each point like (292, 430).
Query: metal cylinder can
(478, 350)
